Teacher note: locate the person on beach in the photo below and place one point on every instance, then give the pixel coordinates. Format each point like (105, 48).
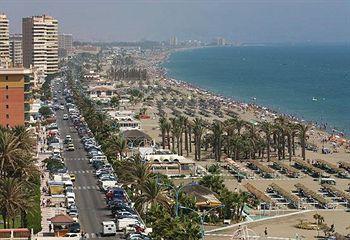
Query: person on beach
(265, 231)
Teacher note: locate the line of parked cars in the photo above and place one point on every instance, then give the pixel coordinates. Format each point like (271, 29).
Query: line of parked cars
(126, 219)
(61, 183)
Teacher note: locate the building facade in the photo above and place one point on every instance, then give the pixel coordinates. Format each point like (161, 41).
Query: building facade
(14, 96)
(4, 40)
(65, 44)
(16, 54)
(40, 43)
(173, 41)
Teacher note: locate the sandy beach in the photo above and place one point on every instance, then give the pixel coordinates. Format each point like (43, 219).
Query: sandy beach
(282, 227)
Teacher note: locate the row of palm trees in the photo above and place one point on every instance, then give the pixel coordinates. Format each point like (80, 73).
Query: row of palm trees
(105, 130)
(234, 137)
(19, 177)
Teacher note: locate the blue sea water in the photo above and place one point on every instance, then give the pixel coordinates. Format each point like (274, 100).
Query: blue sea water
(311, 82)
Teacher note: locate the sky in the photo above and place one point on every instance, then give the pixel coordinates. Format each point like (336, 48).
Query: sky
(244, 21)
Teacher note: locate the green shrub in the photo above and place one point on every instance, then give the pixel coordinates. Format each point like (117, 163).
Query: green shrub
(34, 216)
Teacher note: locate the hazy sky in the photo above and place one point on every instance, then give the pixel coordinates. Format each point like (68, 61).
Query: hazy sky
(241, 21)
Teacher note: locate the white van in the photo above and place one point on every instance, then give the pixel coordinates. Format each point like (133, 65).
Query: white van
(102, 158)
(124, 223)
(108, 228)
(68, 183)
(70, 201)
(105, 185)
(70, 195)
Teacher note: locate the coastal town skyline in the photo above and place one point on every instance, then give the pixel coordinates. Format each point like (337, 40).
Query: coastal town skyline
(238, 21)
(143, 120)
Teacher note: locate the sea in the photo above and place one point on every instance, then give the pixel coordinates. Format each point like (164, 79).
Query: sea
(307, 81)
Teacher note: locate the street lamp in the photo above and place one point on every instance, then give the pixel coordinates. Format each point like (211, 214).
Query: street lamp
(201, 216)
(177, 193)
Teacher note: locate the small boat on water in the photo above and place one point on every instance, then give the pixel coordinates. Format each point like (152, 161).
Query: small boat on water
(314, 99)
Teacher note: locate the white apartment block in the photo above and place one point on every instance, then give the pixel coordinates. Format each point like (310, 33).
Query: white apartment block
(4, 40)
(16, 54)
(65, 44)
(40, 43)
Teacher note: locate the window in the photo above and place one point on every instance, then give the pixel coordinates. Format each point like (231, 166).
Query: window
(6, 78)
(7, 96)
(7, 106)
(7, 116)
(7, 87)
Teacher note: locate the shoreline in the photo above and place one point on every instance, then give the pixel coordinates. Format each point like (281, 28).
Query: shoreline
(163, 73)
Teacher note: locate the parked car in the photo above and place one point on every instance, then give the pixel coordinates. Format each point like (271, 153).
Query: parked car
(108, 228)
(74, 228)
(70, 147)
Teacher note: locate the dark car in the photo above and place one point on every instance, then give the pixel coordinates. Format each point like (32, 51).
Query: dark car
(74, 228)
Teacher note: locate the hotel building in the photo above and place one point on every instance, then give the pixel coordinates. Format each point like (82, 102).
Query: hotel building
(4, 40)
(16, 54)
(40, 43)
(65, 44)
(14, 96)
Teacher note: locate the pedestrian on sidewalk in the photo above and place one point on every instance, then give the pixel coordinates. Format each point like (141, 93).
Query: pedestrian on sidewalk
(265, 232)
(50, 227)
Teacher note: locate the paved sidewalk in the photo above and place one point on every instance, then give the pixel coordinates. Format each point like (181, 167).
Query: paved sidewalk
(46, 212)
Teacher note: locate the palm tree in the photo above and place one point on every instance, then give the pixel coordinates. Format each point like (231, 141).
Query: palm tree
(162, 126)
(288, 133)
(217, 129)
(25, 138)
(198, 128)
(13, 199)
(185, 127)
(267, 128)
(213, 182)
(151, 194)
(239, 124)
(168, 128)
(278, 138)
(189, 125)
(229, 127)
(10, 152)
(177, 133)
(294, 132)
(182, 122)
(254, 137)
(134, 172)
(121, 145)
(173, 132)
(303, 129)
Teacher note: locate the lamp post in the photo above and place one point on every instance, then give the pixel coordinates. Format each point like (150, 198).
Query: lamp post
(201, 216)
(177, 193)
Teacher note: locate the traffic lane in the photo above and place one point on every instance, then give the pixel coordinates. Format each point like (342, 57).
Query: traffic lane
(90, 201)
(84, 199)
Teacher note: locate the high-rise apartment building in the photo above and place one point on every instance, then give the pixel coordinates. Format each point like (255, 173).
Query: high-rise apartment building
(40, 43)
(173, 41)
(14, 96)
(4, 40)
(65, 44)
(220, 41)
(16, 54)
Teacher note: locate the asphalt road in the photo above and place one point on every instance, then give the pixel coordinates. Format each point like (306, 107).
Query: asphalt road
(89, 199)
